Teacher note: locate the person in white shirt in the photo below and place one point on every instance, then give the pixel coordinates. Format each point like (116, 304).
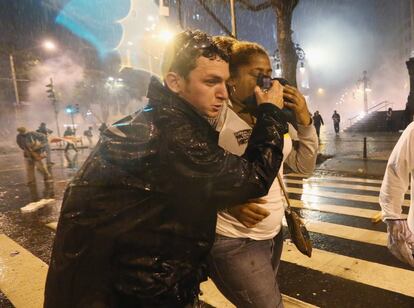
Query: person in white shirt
(245, 257)
(395, 184)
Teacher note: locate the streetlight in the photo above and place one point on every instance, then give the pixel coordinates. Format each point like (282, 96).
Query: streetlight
(166, 36)
(301, 56)
(47, 45)
(364, 81)
(276, 63)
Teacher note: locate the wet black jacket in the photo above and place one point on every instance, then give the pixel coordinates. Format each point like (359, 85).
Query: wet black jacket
(138, 220)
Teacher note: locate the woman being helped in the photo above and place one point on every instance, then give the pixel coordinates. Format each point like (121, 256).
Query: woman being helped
(246, 254)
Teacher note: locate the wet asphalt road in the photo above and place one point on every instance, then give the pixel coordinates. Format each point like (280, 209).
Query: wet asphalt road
(312, 283)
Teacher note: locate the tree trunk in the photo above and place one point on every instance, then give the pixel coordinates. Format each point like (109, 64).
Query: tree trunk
(288, 57)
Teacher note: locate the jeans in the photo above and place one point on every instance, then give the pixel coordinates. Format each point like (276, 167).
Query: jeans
(245, 270)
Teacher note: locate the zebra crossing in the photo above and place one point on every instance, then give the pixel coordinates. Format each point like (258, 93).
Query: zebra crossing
(350, 265)
(349, 247)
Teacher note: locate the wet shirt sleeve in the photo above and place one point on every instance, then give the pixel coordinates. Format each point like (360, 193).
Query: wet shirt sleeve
(397, 175)
(302, 158)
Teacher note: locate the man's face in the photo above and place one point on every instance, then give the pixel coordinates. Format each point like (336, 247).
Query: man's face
(205, 86)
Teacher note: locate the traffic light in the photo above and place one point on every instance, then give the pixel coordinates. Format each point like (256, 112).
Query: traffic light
(69, 109)
(72, 108)
(51, 91)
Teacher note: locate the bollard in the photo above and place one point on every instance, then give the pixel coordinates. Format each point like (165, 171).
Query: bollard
(365, 148)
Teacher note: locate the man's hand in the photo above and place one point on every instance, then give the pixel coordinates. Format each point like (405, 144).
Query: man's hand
(250, 214)
(401, 240)
(297, 103)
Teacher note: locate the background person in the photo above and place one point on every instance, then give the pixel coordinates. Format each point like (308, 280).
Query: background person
(34, 152)
(69, 134)
(89, 135)
(336, 118)
(47, 132)
(317, 122)
(388, 119)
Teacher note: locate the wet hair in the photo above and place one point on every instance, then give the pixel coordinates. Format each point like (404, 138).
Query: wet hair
(22, 130)
(181, 54)
(242, 53)
(225, 42)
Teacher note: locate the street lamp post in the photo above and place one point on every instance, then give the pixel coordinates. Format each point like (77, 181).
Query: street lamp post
(277, 62)
(364, 81)
(47, 45)
(16, 91)
(301, 57)
(53, 99)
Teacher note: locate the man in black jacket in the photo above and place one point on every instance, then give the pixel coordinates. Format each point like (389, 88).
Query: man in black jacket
(137, 221)
(317, 121)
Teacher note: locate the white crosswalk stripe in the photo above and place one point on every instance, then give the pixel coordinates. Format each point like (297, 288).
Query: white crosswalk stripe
(349, 233)
(312, 194)
(22, 275)
(370, 273)
(308, 183)
(336, 178)
(335, 209)
(378, 275)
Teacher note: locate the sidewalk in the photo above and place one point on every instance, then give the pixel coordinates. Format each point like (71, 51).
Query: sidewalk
(343, 153)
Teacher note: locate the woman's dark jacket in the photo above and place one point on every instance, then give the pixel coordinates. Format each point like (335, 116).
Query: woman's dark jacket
(138, 219)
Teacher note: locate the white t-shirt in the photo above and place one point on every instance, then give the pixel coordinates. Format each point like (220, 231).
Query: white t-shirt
(234, 136)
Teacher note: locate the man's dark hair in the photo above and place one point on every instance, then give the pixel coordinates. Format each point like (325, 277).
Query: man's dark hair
(186, 47)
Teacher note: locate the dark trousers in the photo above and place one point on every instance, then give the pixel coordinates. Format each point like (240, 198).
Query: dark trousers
(318, 129)
(336, 127)
(389, 125)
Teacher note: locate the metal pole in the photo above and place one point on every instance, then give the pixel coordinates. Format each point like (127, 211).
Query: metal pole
(233, 19)
(365, 147)
(365, 80)
(56, 117)
(16, 90)
(73, 122)
(55, 105)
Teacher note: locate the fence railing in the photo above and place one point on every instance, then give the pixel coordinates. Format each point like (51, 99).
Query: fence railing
(377, 107)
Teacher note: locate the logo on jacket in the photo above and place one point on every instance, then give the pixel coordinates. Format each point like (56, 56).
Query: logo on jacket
(243, 136)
